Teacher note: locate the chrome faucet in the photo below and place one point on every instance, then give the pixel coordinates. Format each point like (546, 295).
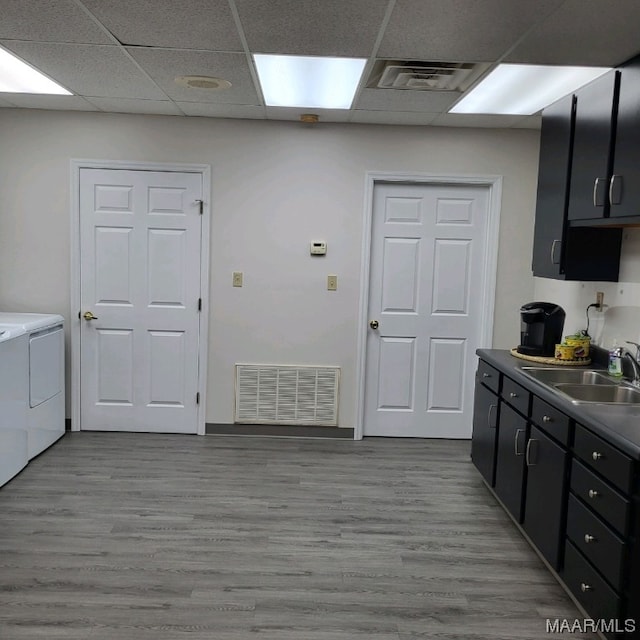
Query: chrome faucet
(635, 362)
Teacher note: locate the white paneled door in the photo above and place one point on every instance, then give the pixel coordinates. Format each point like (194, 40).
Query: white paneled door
(140, 252)
(425, 301)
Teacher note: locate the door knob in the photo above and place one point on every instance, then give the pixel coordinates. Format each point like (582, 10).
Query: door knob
(374, 324)
(89, 316)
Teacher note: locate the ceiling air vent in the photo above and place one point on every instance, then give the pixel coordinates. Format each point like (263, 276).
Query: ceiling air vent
(424, 76)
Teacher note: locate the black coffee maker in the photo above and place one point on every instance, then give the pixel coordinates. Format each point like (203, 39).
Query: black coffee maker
(541, 325)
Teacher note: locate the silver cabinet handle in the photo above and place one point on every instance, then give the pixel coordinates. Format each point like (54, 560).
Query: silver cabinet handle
(513, 395)
(547, 419)
(527, 455)
(491, 408)
(589, 538)
(584, 587)
(593, 493)
(554, 244)
(615, 190)
(596, 456)
(518, 432)
(598, 199)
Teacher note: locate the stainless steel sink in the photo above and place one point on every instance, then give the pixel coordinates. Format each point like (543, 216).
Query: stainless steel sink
(583, 386)
(569, 376)
(599, 393)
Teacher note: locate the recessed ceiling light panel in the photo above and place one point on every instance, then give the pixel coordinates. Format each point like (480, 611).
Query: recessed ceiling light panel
(522, 89)
(305, 81)
(18, 77)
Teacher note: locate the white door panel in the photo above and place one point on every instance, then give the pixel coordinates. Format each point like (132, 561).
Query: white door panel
(140, 234)
(426, 274)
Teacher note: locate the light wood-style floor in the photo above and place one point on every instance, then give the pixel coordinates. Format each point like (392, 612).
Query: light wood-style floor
(152, 537)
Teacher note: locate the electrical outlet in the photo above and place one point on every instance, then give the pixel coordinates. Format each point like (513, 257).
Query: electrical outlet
(332, 283)
(237, 278)
(599, 300)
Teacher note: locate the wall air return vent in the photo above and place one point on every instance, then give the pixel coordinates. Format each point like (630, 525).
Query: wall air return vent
(424, 76)
(286, 394)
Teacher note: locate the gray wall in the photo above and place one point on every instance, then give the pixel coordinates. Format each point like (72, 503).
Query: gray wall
(275, 187)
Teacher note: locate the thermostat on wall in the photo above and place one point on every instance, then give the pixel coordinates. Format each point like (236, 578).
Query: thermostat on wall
(318, 248)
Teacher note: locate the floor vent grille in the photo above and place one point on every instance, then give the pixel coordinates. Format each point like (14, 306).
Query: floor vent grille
(287, 394)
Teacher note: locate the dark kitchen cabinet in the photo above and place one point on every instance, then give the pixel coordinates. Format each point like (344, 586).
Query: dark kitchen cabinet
(593, 148)
(560, 251)
(546, 495)
(580, 494)
(512, 441)
(624, 184)
(485, 422)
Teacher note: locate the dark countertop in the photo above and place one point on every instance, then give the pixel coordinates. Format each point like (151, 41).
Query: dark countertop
(617, 424)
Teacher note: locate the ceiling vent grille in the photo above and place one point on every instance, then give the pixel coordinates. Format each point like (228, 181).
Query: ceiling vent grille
(424, 76)
(286, 394)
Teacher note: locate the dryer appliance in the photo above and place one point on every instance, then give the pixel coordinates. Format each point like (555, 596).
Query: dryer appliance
(13, 402)
(43, 387)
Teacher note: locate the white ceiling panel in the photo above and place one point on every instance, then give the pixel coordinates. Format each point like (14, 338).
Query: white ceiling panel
(459, 30)
(208, 110)
(49, 21)
(88, 70)
(164, 65)
(123, 55)
(187, 24)
(401, 100)
(130, 105)
(63, 103)
(552, 41)
(308, 27)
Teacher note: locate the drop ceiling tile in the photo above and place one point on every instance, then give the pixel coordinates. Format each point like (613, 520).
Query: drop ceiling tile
(130, 105)
(187, 24)
(309, 27)
(403, 100)
(209, 110)
(46, 21)
(395, 117)
(88, 70)
(459, 30)
(63, 103)
(473, 120)
(163, 65)
(602, 33)
(324, 115)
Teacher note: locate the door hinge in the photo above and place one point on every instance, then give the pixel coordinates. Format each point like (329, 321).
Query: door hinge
(201, 205)
(199, 304)
(198, 398)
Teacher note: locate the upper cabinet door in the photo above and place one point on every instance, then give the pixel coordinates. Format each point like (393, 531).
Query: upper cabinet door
(624, 184)
(593, 146)
(556, 139)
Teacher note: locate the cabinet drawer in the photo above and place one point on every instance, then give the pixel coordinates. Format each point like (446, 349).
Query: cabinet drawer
(612, 506)
(596, 596)
(489, 376)
(517, 396)
(599, 544)
(614, 465)
(549, 419)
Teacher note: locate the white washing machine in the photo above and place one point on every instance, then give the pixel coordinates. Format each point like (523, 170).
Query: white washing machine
(13, 402)
(43, 386)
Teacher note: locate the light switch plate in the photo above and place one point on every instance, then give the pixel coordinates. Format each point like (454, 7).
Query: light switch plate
(332, 283)
(237, 278)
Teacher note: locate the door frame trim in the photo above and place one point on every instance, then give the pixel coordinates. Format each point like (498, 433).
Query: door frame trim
(489, 275)
(74, 325)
